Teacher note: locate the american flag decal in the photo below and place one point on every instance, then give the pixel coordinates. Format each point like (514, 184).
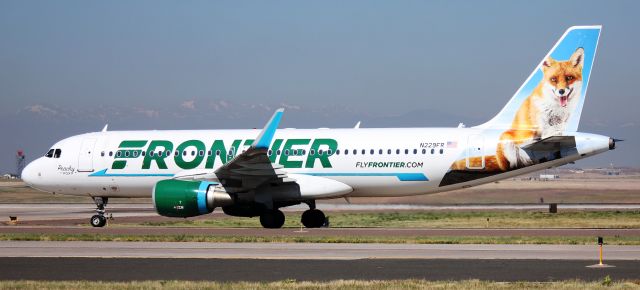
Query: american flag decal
(452, 144)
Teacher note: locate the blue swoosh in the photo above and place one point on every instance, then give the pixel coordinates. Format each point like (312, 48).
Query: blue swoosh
(400, 176)
(103, 173)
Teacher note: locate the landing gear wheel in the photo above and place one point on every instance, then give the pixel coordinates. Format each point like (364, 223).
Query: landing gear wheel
(272, 219)
(98, 221)
(313, 218)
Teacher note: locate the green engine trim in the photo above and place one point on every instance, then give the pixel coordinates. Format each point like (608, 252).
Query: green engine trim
(180, 198)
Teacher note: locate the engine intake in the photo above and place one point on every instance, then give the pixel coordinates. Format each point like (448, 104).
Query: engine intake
(180, 198)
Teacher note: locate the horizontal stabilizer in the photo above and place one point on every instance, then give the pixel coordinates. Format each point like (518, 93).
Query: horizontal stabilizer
(553, 143)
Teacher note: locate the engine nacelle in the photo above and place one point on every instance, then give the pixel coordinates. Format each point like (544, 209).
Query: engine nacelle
(181, 198)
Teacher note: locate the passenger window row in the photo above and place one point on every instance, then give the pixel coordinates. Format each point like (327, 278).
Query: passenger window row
(136, 153)
(287, 152)
(389, 151)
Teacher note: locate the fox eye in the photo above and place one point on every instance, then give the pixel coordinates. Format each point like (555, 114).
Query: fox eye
(554, 79)
(569, 78)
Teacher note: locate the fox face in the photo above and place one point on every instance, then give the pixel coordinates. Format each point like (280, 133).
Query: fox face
(563, 79)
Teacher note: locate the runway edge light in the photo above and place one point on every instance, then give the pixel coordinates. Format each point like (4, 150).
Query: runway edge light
(600, 264)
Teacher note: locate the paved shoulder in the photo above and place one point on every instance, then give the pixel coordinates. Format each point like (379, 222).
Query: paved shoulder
(318, 251)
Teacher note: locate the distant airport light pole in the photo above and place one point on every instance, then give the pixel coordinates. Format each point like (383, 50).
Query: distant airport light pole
(20, 162)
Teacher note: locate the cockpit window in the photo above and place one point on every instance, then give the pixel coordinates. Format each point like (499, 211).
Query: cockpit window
(50, 153)
(57, 153)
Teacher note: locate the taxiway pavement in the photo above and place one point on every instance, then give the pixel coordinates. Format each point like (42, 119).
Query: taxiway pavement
(128, 269)
(126, 261)
(310, 251)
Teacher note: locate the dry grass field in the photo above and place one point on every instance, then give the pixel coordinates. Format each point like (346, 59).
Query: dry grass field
(432, 219)
(338, 284)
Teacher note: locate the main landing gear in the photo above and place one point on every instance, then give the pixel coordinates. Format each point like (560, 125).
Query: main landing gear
(274, 219)
(313, 218)
(99, 220)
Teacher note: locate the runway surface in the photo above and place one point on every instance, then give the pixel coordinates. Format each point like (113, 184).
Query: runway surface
(127, 269)
(124, 261)
(309, 251)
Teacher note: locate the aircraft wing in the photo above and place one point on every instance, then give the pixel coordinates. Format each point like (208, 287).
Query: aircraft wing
(253, 168)
(553, 143)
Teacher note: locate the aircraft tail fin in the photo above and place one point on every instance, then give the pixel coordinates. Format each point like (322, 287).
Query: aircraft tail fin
(557, 86)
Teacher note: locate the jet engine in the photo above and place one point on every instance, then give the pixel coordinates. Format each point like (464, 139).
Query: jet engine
(182, 198)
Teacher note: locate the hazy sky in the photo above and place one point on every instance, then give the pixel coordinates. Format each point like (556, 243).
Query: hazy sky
(67, 67)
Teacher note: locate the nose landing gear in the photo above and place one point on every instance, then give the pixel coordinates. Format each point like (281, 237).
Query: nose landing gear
(99, 220)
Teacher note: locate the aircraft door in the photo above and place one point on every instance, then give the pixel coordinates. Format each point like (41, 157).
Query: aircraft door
(475, 152)
(85, 158)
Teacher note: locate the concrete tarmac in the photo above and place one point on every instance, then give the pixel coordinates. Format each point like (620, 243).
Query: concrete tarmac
(126, 261)
(310, 251)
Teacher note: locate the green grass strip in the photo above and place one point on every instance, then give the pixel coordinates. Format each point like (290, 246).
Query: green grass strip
(439, 219)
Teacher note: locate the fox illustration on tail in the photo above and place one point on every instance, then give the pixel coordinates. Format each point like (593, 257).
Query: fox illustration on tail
(545, 109)
(545, 112)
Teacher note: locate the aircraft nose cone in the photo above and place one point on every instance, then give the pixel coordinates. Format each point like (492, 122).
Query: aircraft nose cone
(29, 174)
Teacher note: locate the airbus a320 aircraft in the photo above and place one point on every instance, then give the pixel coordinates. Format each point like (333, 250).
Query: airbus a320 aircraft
(252, 173)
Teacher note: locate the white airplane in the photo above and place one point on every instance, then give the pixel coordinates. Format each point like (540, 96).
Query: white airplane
(252, 173)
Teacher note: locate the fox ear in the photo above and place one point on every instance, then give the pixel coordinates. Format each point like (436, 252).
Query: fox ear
(548, 62)
(577, 57)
